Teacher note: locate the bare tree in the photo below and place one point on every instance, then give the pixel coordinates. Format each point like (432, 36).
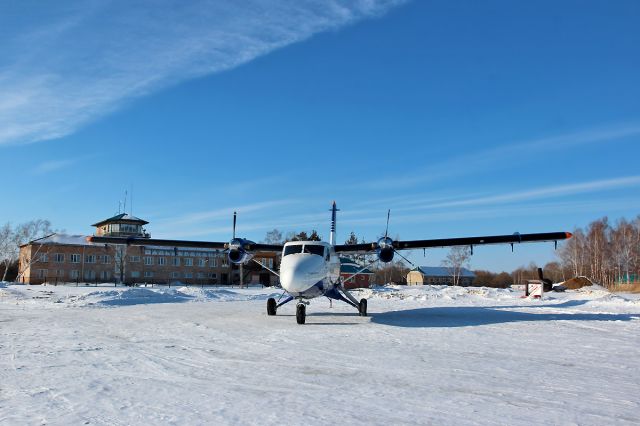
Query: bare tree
(22, 234)
(457, 259)
(273, 237)
(6, 247)
(391, 273)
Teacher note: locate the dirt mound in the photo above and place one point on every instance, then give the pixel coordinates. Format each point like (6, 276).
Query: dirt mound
(576, 283)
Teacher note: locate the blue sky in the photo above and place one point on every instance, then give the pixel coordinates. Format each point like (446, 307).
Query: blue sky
(464, 118)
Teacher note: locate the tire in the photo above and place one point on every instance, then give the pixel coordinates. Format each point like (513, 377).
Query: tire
(362, 308)
(271, 306)
(301, 313)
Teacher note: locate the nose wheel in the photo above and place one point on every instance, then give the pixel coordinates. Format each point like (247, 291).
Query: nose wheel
(301, 312)
(362, 307)
(271, 306)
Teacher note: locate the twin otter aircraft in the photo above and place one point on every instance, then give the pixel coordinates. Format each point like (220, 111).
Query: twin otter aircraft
(310, 269)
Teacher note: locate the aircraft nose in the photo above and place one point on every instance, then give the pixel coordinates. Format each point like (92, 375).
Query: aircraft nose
(299, 272)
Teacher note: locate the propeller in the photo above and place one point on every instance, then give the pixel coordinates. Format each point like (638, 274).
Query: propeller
(385, 248)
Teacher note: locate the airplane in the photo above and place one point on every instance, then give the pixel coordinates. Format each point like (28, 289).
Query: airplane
(311, 269)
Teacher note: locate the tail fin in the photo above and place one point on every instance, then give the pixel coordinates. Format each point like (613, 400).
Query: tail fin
(332, 235)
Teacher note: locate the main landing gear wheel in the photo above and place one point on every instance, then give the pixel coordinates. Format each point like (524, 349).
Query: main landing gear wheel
(301, 311)
(271, 306)
(362, 308)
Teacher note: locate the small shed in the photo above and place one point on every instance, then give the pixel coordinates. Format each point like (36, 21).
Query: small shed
(438, 275)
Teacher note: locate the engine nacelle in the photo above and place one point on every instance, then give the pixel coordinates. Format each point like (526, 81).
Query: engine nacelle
(385, 249)
(239, 251)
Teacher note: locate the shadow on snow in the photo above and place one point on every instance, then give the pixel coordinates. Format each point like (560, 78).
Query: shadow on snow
(473, 316)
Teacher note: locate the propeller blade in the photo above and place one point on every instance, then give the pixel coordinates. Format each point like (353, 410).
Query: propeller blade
(399, 254)
(386, 231)
(234, 224)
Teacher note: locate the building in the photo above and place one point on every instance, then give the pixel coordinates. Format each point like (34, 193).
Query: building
(361, 279)
(438, 275)
(61, 258)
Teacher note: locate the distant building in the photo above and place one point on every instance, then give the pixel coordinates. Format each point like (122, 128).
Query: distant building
(362, 277)
(60, 258)
(438, 275)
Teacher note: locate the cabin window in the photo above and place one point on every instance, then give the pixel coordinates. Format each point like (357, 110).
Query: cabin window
(292, 249)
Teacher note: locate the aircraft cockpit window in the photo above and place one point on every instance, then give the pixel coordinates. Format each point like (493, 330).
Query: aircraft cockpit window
(313, 249)
(292, 249)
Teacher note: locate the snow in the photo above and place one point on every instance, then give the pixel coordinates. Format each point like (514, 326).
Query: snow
(425, 355)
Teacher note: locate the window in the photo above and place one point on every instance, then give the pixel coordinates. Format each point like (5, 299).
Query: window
(268, 262)
(42, 273)
(60, 273)
(43, 258)
(175, 274)
(134, 258)
(314, 249)
(212, 275)
(188, 275)
(104, 275)
(135, 274)
(188, 261)
(202, 262)
(58, 258)
(148, 260)
(200, 275)
(292, 249)
(75, 258)
(74, 273)
(176, 261)
(162, 261)
(106, 259)
(90, 258)
(148, 274)
(213, 262)
(225, 261)
(89, 274)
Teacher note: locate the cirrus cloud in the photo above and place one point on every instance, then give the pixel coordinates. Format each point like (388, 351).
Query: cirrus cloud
(63, 66)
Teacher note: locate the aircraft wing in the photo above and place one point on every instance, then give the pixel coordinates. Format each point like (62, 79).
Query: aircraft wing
(256, 247)
(466, 241)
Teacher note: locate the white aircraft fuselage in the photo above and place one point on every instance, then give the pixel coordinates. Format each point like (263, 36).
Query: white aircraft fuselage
(309, 269)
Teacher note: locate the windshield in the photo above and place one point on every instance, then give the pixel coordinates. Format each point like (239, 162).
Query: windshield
(298, 248)
(319, 250)
(292, 249)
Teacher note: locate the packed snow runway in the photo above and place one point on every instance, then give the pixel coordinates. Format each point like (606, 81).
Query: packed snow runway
(427, 355)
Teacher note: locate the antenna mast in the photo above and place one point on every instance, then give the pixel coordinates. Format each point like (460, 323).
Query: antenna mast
(332, 234)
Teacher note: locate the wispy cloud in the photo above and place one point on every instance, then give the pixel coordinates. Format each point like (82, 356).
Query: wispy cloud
(50, 166)
(548, 192)
(67, 65)
(503, 155)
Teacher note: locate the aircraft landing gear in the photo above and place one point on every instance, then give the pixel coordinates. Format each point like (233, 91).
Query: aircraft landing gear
(362, 307)
(301, 311)
(271, 306)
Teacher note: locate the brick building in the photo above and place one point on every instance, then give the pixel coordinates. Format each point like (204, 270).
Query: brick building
(60, 258)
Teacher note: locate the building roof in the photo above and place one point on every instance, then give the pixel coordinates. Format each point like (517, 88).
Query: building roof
(443, 271)
(64, 239)
(123, 217)
(349, 266)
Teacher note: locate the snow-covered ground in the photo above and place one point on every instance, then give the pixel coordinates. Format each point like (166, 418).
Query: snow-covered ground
(425, 355)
